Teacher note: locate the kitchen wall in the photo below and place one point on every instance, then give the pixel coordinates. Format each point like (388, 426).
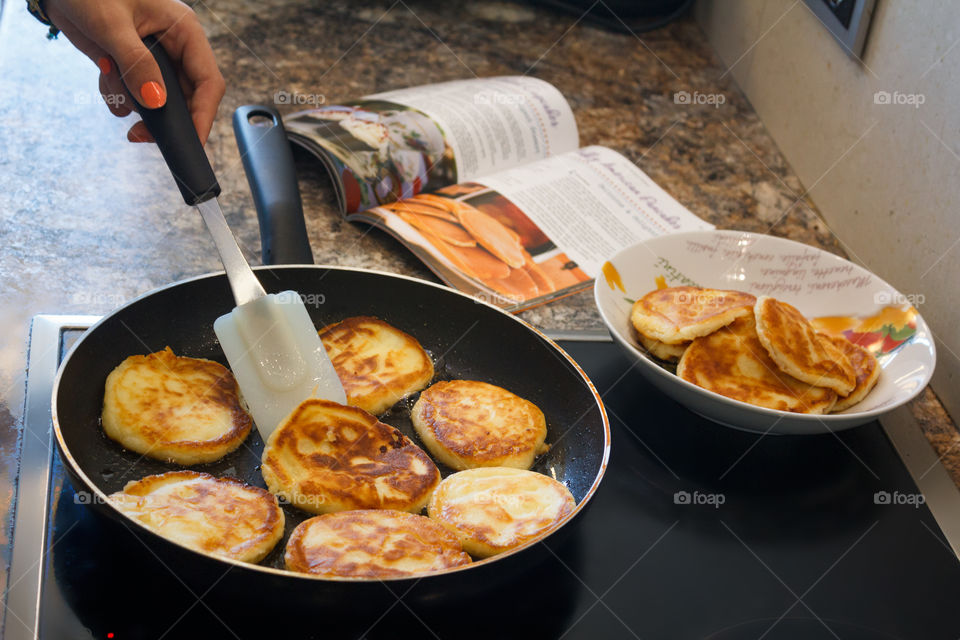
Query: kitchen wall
(886, 177)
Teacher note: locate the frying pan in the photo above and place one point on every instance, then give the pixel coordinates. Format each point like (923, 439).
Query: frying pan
(466, 338)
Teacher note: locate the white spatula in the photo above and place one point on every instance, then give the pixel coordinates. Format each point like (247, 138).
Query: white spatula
(270, 342)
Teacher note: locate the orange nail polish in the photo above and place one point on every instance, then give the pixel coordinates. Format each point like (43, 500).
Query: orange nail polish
(105, 65)
(153, 95)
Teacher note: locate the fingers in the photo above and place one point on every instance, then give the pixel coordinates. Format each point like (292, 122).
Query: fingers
(204, 86)
(112, 91)
(139, 133)
(138, 71)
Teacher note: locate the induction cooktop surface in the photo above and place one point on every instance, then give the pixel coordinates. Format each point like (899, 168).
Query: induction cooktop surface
(697, 531)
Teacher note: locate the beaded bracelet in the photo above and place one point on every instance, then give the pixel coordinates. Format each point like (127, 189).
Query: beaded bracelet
(36, 10)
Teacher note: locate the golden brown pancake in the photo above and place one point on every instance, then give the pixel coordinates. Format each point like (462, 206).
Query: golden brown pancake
(799, 350)
(476, 262)
(733, 363)
(662, 350)
(452, 233)
(221, 516)
(175, 409)
(679, 314)
(447, 204)
(466, 424)
(327, 457)
(492, 235)
(422, 208)
(377, 363)
(496, 509)
(372, 544)
(539, 276)
(517, 286)
(864, 364)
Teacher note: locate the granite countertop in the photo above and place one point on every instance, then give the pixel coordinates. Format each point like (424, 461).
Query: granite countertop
(90, 221)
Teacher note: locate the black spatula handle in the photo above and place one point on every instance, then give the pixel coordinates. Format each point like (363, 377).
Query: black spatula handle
(172, 127)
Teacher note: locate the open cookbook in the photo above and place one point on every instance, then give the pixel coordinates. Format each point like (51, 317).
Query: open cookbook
(485, 182)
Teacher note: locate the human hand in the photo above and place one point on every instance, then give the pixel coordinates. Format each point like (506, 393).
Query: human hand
(109, 32)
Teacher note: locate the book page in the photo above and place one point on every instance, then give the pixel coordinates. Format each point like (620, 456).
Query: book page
(593, 202)
(393, 145)
(534, 233)
(494, 124)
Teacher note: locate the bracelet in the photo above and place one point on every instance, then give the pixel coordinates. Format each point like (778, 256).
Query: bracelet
(36, 10)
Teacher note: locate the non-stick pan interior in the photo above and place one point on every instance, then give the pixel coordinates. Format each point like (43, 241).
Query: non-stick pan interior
(466, 340)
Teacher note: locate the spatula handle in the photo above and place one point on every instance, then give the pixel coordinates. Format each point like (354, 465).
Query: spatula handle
(172, 127)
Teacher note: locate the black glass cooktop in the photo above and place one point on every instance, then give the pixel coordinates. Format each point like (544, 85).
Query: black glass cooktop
(697, 532)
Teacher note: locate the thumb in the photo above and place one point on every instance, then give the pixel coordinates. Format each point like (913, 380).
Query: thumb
(138, 69)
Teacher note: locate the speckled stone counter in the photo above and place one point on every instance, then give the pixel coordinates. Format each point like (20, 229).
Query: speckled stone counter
(88, 221)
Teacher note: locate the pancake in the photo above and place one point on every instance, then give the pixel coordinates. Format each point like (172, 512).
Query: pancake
(492, 235)
(518, 286)
(495, 509)
(377, 363)
(420, 208)
(476, 262)
(679, 314)
(538, 275)
(327, 457)
(447, 204)
(662, 350)
(467, 424)
(372, 544)
(175, 409)
(864, 364)
(452, 233)
(733, 363)
(221, 516)
(799, 350)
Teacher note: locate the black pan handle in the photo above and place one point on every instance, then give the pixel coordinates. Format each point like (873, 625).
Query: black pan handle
(172, 127)
(268, 163)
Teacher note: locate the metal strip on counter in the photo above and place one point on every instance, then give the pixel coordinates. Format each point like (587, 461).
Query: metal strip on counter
(932, 479)
(21, 620)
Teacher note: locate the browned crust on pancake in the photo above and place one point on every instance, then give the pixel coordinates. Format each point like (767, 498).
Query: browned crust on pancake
(327, 457)
(492, 235)
(451, 232)
(865, 365)
(674, 315)
(220, 507)
(485, 518)
(370, 384)
(447, 204)
(422, 208)
(715, 363)
(662, 350)
(797, 348)
(540, 278)
(463, 432)
(518, 286)
(476, 262)
(152, 419)
(392, 544)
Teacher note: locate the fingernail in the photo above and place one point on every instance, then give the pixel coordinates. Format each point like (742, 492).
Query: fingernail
(105, 65)
(153, 95)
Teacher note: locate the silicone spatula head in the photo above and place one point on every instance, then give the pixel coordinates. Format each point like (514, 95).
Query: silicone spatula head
(277, 357)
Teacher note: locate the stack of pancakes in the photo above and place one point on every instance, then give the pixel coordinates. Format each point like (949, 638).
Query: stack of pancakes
(757, 350)
(477, 243)
(365, 481)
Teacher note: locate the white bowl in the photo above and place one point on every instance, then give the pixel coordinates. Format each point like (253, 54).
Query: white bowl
(814, 281)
